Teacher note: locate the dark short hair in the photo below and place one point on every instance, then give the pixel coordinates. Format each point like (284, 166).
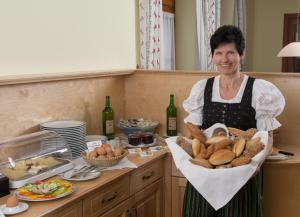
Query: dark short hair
(228, 34)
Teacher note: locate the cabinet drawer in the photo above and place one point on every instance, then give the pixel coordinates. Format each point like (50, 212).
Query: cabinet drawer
(106, 198)
(146, 175)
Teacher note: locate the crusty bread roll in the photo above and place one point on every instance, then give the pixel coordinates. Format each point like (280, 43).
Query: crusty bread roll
(242, 160)
(217, 146)
(222, 156)
(247, 135)
(253, 147)
(183, 143)
(219, 132)
(239, 146)
(250, 133)
(215, 139)
(201, 162)
(196, 132)
(196, 147)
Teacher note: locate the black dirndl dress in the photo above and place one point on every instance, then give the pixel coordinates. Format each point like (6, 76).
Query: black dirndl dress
(248, 202)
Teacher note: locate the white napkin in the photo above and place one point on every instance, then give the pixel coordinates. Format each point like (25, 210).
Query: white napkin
(124, 163)
(217, 186)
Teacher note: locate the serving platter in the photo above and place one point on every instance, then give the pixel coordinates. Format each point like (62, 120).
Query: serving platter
(24, 194)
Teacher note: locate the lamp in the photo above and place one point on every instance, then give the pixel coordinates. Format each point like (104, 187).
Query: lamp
(293, 48)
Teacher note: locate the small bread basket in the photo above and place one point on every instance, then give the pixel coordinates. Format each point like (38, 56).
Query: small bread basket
(103, 162)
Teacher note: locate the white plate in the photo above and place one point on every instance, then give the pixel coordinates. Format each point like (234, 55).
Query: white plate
(14, 210)
(89, 176)
(277, 157)
(62, 124)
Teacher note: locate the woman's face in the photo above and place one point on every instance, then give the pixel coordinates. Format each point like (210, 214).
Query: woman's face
(227, 58)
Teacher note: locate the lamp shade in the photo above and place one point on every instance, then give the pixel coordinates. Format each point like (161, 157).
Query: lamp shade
(290, 50)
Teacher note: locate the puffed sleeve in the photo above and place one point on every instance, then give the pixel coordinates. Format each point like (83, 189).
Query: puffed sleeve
(194, 103)
(268, 102)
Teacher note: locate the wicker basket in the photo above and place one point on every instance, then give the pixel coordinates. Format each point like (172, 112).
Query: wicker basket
(107, 162)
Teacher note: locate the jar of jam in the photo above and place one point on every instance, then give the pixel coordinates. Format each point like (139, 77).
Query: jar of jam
(147, 138)
(134, 139)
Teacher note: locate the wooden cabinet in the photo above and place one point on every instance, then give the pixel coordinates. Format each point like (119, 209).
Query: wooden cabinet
(122, 210)
(149, 201)
(145, 175)
(106, 198)
(74, 210)
(178, 189)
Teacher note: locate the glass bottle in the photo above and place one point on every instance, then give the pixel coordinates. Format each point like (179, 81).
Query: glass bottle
(108, 120)
(171, 118)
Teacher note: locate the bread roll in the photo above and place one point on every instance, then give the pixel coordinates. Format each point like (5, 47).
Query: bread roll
(202, 162)
(215, 139)
(239, 146)
(236, 132)
(250, 133)
(196, 147)
(217, 146)
(219, 132)
(253, 142)
(196, 132)
(222, 156)
(253, 149)
(242, 160)
(183, 143)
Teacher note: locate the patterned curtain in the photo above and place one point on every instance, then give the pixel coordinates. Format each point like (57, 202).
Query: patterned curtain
(150, 14)
(240, 15)
(208, 20)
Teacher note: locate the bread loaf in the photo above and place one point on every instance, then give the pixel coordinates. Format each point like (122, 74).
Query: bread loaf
(183, 143)
(202, 162)
(196, 132)
(196, 147)
(222, 156)
(217, 146)
(242, 160)
(239, 146)
(215, 139)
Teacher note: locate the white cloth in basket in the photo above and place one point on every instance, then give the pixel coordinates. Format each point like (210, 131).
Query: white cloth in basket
(217, 186)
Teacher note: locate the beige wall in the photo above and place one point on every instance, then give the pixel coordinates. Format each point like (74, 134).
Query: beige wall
(65, 35)
(265, 33)
(185, 34)
(25, 106)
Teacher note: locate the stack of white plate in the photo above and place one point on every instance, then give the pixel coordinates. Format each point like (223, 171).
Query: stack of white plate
(73, 132)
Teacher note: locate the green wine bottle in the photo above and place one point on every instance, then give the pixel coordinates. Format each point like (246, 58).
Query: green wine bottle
(108, 120)
(171, 118)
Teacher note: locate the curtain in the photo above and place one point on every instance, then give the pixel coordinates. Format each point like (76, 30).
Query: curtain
(150, 14)
(168, 42)
(207, 21)
(240, 15)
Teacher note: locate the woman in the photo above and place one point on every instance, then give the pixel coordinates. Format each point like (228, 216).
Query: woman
(238, 101)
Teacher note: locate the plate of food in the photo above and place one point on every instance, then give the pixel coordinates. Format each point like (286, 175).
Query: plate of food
(45, 190)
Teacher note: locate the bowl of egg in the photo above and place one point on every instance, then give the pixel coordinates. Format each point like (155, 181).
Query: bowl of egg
(104, 156)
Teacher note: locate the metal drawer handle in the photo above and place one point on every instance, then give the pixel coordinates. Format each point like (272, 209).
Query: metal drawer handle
(148, 176)
(110, 198)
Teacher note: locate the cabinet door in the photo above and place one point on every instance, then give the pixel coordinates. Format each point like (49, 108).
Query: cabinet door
(69, 211)
(178, 189)
(122, 210)
(149, 201)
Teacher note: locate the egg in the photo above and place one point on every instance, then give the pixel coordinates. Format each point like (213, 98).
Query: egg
(108, 149)
(12, 201)
(100, 151)
(117, 151)
(93, 154)
(110, 154)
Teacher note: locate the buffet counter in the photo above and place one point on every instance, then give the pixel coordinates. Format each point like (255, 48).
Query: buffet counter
(113, 193)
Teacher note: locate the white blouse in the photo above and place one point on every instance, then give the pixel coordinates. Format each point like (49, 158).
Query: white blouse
(267, 100)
